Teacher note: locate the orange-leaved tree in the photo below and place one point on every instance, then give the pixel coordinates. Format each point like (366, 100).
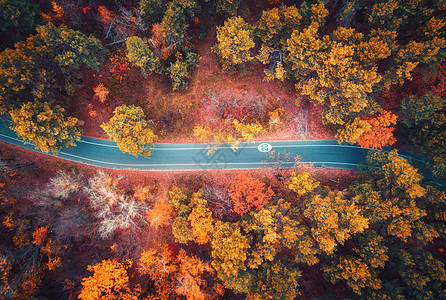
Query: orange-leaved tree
(200, 218)
(381, 134)
(247, 192)
(176, 273)
(160, 215)
(190, 279)
(109, 280)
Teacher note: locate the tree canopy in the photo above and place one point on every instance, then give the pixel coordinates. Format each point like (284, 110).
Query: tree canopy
(129, 129)
(46, 126)
(234, 41)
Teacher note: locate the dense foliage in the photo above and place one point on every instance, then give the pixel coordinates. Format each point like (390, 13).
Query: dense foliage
(129, 129)
(371, 73)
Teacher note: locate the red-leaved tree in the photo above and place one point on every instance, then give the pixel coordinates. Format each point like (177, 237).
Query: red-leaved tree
(247, 192)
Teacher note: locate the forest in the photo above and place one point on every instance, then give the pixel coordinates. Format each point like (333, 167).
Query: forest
(140, 73)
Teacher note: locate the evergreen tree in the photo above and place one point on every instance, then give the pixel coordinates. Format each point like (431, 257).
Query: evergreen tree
(151, 10)
(17, 16)
(70, 49)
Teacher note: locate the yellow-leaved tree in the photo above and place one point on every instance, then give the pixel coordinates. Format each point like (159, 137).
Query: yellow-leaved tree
(360, 269)
(336, 219)
(273, 29)
(46, 126)
(201, 221)
(229, 255)
(234, 42)
(390, 199)
(302, 183)
(129, 129)
(337, 70)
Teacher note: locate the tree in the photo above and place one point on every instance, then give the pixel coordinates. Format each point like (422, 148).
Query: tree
(331, 70)
(71, 49)
(419, 275)
(181, 230)
(360, 269)
(31, 254)
(159, 266)
(335, 219)
(123, 23)
(434, 204)
(228, 8)
(25, 75)
(388, 193)
(6, 289)
(69, 220)
(160, 214)
(201, 221)
(17, 15)
(171, 32)
(176, 273)
(101, 92)
(181, 227)
(380, 134)
(438, 85)
(372, 249)
(247, 193)
(64, 185)
(180, 201)
(273, 29)
(46, 126)
(113, 208)
(109, 280)
(180, 70)
(430, 135)
(429, 49)
(151, 10)
(352, 131)
(248, 131)
(191, 276)
(229, 249)
(421, 40)
(415, 109)
(277, 225)
(28, 71)
(140, 55)
(222, 105)
(275, 280)
(234, 41)
(130, 130)
(396, 176)
(438, 167)
(55, 15)
(276, 25)
(356, 273)
(302, 183)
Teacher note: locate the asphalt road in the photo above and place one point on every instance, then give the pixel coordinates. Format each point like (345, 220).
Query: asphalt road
(103, 153)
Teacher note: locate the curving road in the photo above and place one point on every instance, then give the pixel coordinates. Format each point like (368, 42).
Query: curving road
(180, 157)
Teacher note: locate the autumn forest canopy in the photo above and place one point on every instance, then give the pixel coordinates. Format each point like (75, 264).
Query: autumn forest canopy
(370, 73)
